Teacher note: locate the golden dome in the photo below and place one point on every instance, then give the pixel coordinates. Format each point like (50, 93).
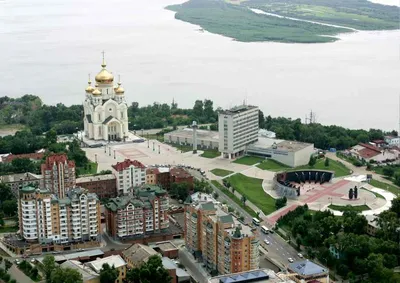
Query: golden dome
(119, 89)
(89, 88)
(96, 92)
(104, 77)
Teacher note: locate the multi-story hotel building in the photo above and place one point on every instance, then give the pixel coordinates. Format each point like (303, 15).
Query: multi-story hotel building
(238, 127)
(129, 174)
(144, 212)
(44, 218)
(58, 174)
(224, 244)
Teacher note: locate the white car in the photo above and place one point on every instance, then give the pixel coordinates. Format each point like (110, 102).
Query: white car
(290, 259)
(266, 242)
(300, 255)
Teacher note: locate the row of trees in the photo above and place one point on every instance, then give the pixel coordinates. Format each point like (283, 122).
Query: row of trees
(360, 255)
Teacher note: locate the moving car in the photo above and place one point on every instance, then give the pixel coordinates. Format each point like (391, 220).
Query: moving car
(300, 255)
(290, 259)
(266, 242)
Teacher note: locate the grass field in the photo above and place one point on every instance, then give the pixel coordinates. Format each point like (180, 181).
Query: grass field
(249, 160)
(242, 24)
(252, 189)
(89, 170)
(210, 153)
(221, 172)
(376, 194)
(339, 168)
(357, 208)
(8, 229)
(391, 188)
(272, 165)
(234, 198)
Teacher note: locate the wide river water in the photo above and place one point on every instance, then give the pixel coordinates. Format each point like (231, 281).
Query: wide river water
(48, 48)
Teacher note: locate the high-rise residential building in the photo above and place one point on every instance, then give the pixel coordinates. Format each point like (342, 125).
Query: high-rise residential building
(238, 127)
(105, 108)
(224, 244)
(129, 174)
(143, 212)
(44, 218)
(58, 174)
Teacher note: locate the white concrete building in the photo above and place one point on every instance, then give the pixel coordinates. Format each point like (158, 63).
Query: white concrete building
(45, 218)
(238, 127)
(129, 174)
(205, 139)
(105, 108)
(290, 153)
(392, 141)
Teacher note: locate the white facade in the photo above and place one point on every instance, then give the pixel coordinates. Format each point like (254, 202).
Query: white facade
(105, 109)
(129, 174)
(392, 141)
(238, 127)
(45, 218)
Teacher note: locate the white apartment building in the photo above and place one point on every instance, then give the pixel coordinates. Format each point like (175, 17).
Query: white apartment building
(129, 174)
(45, 218)
(238, 127)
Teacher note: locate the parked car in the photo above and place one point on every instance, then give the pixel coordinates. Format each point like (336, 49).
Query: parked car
(266, 242)
(300, 255)
(290, 259)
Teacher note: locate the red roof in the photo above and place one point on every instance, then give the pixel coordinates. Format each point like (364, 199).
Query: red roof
(378, 141)
(57, 158)
(152, 171)
(11, 157)
(126, 163)
(179, 172)
(368, 151)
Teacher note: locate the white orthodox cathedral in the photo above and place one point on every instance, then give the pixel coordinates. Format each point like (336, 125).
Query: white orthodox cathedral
(105, 108)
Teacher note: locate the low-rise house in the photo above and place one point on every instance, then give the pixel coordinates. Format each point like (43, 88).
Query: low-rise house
(31, 156)
(114, 260)
(137, 254)
(372, 226)
(166, 248)
(306, 271)
(369, 152)
(392, 141)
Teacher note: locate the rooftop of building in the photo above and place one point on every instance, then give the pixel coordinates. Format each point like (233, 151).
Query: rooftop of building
(179, 172)
(30, 189)
(256, 276)
(202, 197)
(77, 255)
(307, 268)
(146, 190)
(169, 264)
(20, 177)
(152, 171)
(57, 158)
(164, 246)
(201, 134)
(139, 253)
(114, 260)
(372, 220)
(35, 156)
(238, 109)
(87, 273)
(95, 178)
(283, 145)
(126, 164)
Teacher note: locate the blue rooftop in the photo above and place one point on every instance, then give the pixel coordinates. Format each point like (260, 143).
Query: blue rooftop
(306, 267)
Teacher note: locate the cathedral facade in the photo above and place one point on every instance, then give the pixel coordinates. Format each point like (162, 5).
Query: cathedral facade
(105, 108)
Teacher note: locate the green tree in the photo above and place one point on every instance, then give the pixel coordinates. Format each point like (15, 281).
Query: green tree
(35, 273)
(9, 207)
(49, 265)
(152, 271)
(51, 137)
(388, 171)
(108, 274)
(13, 281)
(67, 275)
(198, 109)
(312, 161)
(7, 264)
(6, 277)
(397, 179)
(244, 199)
(209, 110)
(216, 195)
(180, 190)
(326, 162)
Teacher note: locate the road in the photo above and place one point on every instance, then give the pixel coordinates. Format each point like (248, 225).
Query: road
(192, 267)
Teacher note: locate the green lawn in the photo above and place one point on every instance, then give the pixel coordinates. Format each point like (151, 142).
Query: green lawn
(376, 194)
(90, 169)
(8, 229)
(391, 188)
(221, 172)
(357, 208)
(252, 189)
(234, 198)
(210, 153)
(272, 165)
(249, 160)
(339, 168)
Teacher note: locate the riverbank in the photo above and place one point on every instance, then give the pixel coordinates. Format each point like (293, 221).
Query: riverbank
(252, 21)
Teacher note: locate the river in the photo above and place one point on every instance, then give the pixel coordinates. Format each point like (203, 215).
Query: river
(49, 47)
